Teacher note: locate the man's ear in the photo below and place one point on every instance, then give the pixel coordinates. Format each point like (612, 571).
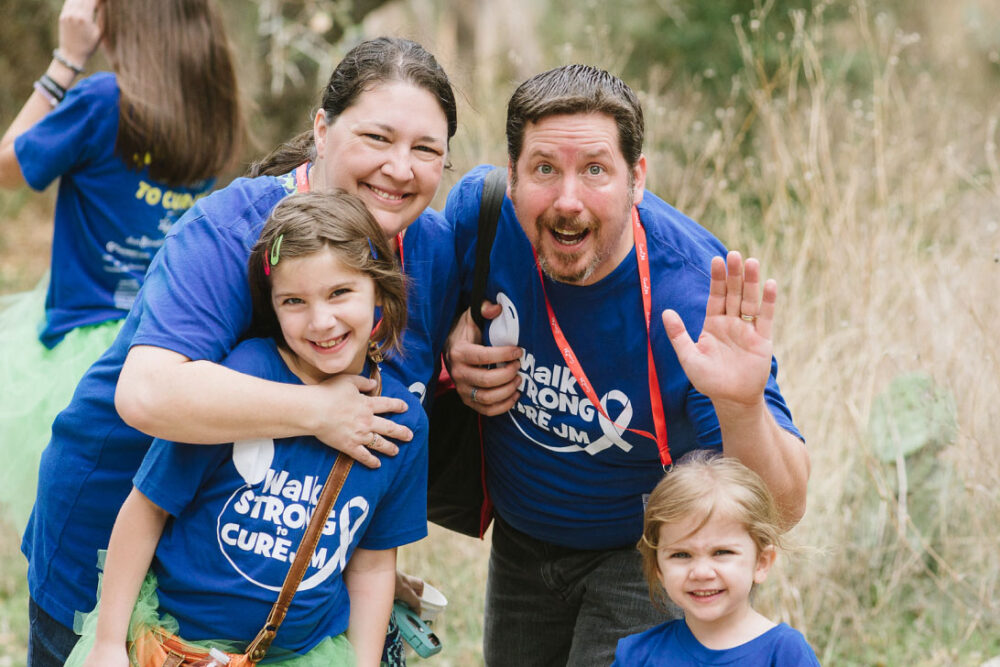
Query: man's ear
(639, 178)
(510, 176)
(765, 559)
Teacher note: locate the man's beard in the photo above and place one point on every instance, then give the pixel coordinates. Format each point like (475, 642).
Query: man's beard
(543, 227)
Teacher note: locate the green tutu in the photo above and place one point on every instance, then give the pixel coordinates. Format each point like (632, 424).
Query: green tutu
(331, 652)
(36, 383)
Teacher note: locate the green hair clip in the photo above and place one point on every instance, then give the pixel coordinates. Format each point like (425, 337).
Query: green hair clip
(276, 249)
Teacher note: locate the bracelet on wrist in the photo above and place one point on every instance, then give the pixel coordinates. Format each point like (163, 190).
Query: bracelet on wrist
(65, 62)
(44, 92)
(54, 88)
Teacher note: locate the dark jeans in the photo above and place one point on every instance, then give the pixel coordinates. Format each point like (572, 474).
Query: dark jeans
(550, 606)
(49, 641)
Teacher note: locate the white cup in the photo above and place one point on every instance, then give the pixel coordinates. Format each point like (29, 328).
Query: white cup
(432, 603)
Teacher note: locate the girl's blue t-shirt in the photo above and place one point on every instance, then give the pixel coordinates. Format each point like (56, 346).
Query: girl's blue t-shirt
(238, 513)
(556, 468)
(196, 302)
(673, 644)
(110, 219)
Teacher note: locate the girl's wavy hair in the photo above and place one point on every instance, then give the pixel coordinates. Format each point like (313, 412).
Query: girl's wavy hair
(311, 221)
(370, 63)
(702, 485)
(179, 110)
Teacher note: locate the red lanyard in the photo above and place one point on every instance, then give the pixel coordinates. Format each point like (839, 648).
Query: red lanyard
(655, 399)
(302, 185)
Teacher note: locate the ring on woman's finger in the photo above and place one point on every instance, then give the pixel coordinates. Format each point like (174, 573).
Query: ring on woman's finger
(475, 390)
(748, 318)
(371, 443)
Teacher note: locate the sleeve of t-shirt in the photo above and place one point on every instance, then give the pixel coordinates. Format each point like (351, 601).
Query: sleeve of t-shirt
(401, 515)
(793, 649)
(624, 653)
(172, 472)
(195, 298)
(72, 133)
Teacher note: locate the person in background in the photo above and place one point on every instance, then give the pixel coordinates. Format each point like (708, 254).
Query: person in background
(132, 149)
(710, 536)
(381, 132)
(589, 378)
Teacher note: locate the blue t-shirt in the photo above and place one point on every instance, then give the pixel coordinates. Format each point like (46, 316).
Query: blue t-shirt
(673, 644)
(238, 513)
(196, 302)
(109, 219)
(557, 469)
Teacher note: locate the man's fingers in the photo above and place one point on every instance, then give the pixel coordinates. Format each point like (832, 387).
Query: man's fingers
(497, 408)
(765, 321)
(734, 282)
(482, 355)
(490, 397)
(678, 335)
(750, 303)
(717, 288)
(490, 310)
(486, 378)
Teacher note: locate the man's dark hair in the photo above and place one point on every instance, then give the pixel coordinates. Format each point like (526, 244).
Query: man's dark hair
(573, 89)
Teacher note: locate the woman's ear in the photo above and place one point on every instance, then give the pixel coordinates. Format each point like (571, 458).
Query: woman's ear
(319, 132)
(765, 559)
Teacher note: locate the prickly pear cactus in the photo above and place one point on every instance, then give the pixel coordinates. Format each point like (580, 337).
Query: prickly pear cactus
(913, 413)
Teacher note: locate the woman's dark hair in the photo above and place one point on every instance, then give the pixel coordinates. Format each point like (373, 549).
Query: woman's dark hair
(179, 110)
(368, 64)
(311, 221)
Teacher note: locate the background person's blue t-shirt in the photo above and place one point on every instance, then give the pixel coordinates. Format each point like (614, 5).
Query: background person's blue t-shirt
(239, 512)
(555, 468)
(110, 219)
(196, 302)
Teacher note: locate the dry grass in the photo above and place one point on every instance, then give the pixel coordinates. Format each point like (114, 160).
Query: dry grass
(876, 209)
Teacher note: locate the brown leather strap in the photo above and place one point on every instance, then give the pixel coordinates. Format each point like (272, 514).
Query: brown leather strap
(331, 489)
(173, 660)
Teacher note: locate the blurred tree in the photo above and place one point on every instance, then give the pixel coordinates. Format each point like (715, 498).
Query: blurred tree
(296, 52)
(28, 33)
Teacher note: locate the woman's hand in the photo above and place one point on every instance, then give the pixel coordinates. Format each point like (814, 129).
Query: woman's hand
(79, 30)
(356, 428)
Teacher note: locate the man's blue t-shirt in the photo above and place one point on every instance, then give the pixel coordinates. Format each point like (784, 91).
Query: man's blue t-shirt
(110, 219)
(557, 469)
(239, 512)
(673, 644)
(196, 302)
